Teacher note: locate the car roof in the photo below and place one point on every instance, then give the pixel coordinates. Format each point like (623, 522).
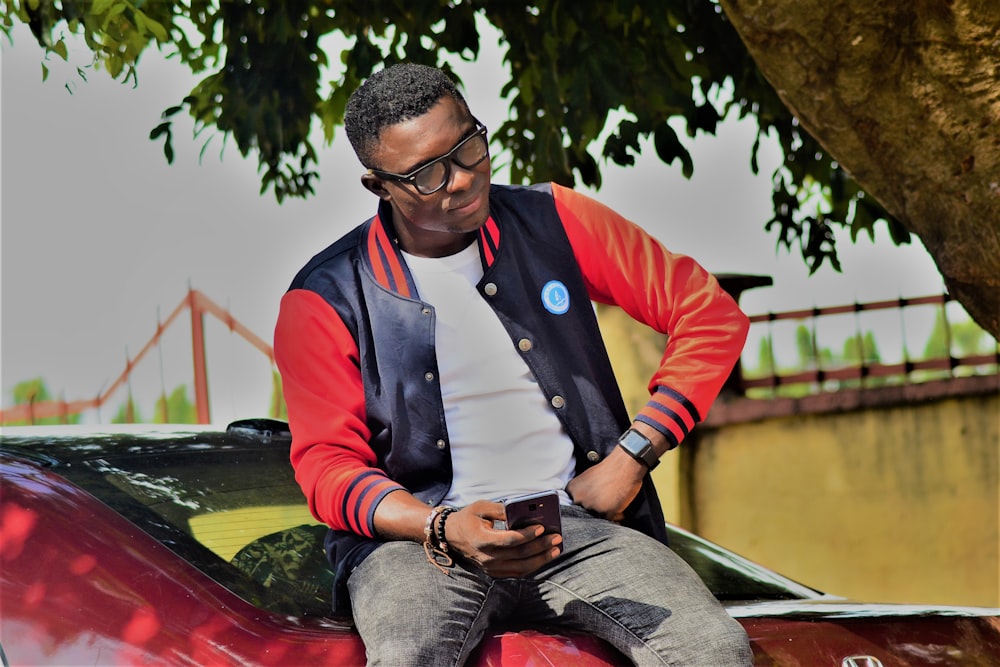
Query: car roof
(73, 443)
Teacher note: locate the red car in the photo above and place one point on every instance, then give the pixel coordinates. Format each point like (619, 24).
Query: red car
(194, 547)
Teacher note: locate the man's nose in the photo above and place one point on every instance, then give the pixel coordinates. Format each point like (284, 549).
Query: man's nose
(460, 178)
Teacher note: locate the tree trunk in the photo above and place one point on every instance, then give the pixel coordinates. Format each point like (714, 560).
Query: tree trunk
(905, 95)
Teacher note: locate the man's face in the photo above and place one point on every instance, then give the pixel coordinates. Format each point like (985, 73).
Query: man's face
(445, 221)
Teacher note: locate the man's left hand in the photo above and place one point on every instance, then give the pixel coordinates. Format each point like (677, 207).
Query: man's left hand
(607, 489)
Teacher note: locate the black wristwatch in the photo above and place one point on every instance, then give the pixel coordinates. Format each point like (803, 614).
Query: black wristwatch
(639, 447)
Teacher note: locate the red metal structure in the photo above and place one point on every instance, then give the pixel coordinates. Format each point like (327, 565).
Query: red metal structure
(199, 305)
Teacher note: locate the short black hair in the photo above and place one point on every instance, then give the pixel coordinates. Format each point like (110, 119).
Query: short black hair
(390, 96)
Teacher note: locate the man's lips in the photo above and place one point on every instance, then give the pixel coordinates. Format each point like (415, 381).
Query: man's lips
(469, 205)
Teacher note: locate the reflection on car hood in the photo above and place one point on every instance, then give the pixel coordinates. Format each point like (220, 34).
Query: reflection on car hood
(831, 607)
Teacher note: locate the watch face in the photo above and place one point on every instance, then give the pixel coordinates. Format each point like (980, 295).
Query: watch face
(634, 442)
(639, 447)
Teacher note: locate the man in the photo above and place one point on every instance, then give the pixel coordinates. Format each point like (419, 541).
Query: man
(445, 354)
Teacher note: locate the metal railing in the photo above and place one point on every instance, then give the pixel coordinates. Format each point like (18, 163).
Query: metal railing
(819, 374)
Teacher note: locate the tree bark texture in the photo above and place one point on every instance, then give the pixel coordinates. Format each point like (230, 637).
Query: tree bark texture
(905, 95)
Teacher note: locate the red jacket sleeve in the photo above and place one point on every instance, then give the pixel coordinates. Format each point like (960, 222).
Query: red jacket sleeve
(623, 265)
(318, 361)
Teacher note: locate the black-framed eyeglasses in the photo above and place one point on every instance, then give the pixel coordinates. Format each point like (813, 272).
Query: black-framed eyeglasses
(431, 177)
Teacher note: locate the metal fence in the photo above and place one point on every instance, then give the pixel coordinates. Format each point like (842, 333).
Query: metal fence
(816, 372)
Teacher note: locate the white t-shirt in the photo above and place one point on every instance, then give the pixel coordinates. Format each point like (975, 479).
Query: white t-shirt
(504, 437)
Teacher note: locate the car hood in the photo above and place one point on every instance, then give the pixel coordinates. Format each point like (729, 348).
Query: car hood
(834, 608)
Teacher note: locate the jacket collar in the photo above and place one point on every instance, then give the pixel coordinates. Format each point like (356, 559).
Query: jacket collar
(382, 255)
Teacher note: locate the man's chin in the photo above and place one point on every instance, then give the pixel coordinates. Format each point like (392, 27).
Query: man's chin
(472, 221)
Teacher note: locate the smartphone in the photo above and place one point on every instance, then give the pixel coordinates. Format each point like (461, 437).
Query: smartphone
(534, 508)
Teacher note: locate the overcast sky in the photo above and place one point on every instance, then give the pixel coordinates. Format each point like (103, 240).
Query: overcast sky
(100, 237)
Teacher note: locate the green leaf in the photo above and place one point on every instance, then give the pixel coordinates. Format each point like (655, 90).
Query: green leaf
(60, 48)
(159, 130)
(669, 148)
(101, 6)
(114, 65)
(145, 24)
(45, 72)
(164, 130)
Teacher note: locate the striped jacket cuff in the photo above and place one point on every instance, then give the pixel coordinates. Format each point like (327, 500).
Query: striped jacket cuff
(670, 413)
(362, 497)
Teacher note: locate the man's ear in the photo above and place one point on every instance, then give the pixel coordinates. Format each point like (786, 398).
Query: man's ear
(375, 185)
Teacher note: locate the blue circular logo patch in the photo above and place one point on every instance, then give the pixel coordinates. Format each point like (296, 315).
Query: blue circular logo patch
(555, 297)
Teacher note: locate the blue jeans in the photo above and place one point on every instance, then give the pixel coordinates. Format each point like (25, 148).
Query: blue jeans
(610, 581)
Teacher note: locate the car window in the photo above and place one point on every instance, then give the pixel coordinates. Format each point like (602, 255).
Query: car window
(225, 532)
(236, 513)
(731, 577)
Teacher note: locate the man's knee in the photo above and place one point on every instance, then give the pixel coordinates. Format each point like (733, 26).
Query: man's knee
(401, 650)
(727, 644)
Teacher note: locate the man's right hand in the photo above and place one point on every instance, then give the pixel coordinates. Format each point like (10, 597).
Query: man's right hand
(499, 553)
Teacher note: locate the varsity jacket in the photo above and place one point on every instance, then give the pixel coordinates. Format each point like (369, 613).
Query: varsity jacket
(355, 348)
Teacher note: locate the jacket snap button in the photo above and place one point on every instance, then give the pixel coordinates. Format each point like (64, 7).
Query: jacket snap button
(441, 444)
(558, 401)
(524, 345)
(429, 376)
(426, 311)
(490, 289)
(593, 456)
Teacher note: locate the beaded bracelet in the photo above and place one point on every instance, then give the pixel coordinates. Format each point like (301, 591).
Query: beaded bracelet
(436, 555)
(442, 542)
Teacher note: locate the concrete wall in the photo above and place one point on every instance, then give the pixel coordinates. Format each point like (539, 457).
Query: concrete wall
(895, 502)
(889, 494)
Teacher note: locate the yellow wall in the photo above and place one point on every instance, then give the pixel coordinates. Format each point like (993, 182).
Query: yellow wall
(899, 502)
(894, 504)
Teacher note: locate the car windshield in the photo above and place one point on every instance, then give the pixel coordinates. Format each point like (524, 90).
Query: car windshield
(232, 508)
